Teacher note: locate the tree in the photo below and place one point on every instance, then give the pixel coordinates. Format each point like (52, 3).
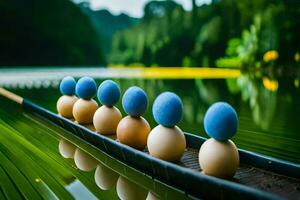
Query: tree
(45, 33)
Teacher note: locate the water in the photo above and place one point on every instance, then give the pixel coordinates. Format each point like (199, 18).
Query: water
(268, 113)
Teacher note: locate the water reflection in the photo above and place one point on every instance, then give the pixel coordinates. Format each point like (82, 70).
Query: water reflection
(79, 191)
(105, 178)
(128, 190)
(66, 149)
(262, 98)
(126, 184)
(84, 161)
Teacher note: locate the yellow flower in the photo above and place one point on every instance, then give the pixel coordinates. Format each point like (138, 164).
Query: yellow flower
(271, 55)
(269, 84)
(297, 57)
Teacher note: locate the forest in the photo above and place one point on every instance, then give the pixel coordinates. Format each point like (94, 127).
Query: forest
(224, 33)
(47, 32)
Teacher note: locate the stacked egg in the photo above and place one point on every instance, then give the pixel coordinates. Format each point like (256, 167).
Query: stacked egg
(133, 129)
(64, 107)
(218, 156)
(66, 102)
(85, 107)
(83, 112)
(107, 117)
(166, 141)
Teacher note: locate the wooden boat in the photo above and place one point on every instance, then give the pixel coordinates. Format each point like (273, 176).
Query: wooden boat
(258, 177)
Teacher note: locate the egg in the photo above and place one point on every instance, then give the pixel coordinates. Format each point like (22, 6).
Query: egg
(133, 132)
(167, 109)
(108, 93)
(128, 190)
(151, 196)
(86, 88)
(84, 161)
(66, 149)
(65, 105)
(166, 143)
(221, 121)
(105, 178)
(219, 158)
(67, 86)
(135, 101)
(83, 111)
(106, 120)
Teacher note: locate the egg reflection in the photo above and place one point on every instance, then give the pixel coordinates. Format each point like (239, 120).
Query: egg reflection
(105, 178)
(128, 190)
(84, 161)
(66, 149)
(151, 196)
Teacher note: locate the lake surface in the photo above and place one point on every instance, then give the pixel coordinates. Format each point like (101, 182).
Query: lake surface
(268, 111)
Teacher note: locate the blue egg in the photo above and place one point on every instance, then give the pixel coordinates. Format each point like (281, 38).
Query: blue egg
(221, 121)
(86, 88)
(67, 86)
(108, 93)
(135, 101)
(167, 109)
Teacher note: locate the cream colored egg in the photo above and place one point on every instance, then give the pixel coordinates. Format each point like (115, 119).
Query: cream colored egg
(84, 161)
(105, 178)
(128, 190)
(65, 105)
(166, 143)
(219, 159)
(133, 132)
(83, 111)
(151, 196)
(66, 149)
(106, 120)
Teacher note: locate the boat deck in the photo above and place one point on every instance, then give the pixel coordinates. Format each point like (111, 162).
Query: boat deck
(284, 186)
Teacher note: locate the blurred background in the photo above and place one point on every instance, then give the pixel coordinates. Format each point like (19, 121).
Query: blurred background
(193, 33)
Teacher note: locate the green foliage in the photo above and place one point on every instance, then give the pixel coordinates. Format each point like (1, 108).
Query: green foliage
(107, 24)
(156, 38)
(232, 47)
(48, 32)
(242, 52)
(30, 160)
(228, 33)
(232, 58)
(248, 48)
(229, 62)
